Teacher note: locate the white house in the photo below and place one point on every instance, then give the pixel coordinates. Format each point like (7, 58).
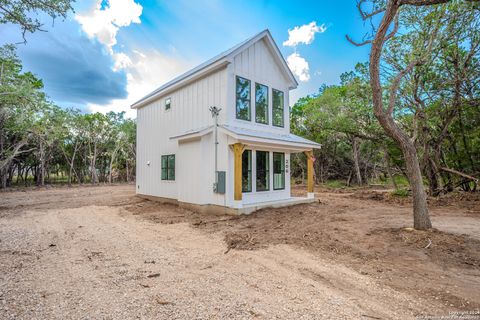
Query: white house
(249, 167)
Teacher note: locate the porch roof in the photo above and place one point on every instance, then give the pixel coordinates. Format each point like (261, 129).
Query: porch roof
(253, 137)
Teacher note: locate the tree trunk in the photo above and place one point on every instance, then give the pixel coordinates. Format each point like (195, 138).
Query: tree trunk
(356, 160)
(421, 218)
(71, 165)
(94, 165)
(389, 168)
(112, 159)
(126, 165)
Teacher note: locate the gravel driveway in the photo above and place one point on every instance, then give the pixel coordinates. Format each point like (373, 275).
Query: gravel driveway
(80, 257)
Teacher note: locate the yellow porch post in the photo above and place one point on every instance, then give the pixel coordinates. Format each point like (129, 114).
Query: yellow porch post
(237, 179)
(310, 182)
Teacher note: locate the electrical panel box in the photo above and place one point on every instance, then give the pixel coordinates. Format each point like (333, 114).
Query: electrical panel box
(221, 182)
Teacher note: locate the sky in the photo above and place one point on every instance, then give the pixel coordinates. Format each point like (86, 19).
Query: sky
(110, 53)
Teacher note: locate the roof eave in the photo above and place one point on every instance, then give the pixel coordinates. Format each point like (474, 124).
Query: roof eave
(214, 66)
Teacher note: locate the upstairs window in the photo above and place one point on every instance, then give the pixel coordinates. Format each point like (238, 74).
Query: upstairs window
(243, 98)
(261, 103)
(168, 167)
(263, 170)
(277, 108)
(278, 171)
(168, 103)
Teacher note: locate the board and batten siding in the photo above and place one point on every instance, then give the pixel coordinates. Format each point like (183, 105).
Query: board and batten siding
(155, 126)
(256, 63)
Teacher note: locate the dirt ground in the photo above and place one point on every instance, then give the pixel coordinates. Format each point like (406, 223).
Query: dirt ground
(101, 252)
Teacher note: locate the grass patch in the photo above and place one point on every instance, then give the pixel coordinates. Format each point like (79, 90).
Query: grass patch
(335, 184)
(400, 193)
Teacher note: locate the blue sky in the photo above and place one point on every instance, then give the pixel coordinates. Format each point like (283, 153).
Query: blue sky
(110, 53)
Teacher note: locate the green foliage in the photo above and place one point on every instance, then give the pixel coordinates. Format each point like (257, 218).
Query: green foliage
(21, 12)
(41, 140)
(400, 193)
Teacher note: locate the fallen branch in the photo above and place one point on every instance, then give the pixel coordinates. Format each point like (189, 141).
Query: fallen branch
(461, 174)
(429, 243)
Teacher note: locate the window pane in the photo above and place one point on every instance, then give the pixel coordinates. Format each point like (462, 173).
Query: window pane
(171, 167)
(247, 171)
(171, 174)
(263, 175)
(261, 103)
(277, 108)
(243, 109)
(171, 162)
(168, 103)
(242, 94)
(164, 162)
(278, 171)
(243, 88)
(164, 174)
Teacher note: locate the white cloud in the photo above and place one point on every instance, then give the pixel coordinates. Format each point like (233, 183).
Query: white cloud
(121, 60)
(304, 34)
(104, 23)
(145, 72)
(299, 66)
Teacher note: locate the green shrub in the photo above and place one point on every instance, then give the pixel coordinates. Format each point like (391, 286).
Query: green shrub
(400, 193)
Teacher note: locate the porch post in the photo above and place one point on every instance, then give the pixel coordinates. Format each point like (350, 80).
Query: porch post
(310, 182)
(237, 179)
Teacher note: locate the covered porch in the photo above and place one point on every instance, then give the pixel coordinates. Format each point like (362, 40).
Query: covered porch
(261, 168)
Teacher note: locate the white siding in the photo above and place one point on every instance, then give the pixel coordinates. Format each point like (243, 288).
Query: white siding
(257, 64)
(155, 125)
(195, 172)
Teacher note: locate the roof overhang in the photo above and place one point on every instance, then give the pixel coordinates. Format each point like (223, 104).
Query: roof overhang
(270, 142)
(253, 138)
(192, 134)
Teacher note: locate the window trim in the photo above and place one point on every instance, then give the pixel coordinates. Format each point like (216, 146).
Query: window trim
(169, 99)
(251, 171)
(283, 109)
(267, 171)
(267, 107)
(247, 99)
(167, 169)
(282, 171)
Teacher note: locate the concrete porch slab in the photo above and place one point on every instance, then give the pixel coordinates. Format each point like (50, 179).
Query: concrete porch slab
(252, 207)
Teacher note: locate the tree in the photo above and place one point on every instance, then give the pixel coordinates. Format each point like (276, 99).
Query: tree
(19, 12)
(421, 53)
(341, 118)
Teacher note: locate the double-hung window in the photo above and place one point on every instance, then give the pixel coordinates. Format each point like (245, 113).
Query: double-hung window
(263, 170)
(278, 171)
(247, 171)
(277, 108)
(242, 95)
(168, 167)
(261, 103)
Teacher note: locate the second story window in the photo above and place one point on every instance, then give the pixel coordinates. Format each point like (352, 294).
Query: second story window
(168, 103)
(243, 98)
(261, 103)
(277, 108)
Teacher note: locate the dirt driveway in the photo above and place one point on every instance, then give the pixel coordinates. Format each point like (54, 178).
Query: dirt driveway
(100, 252)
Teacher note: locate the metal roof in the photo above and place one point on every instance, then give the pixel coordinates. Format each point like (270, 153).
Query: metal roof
(286, 137)
(250, 134)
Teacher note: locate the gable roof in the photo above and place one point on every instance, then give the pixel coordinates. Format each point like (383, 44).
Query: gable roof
(216, 63)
